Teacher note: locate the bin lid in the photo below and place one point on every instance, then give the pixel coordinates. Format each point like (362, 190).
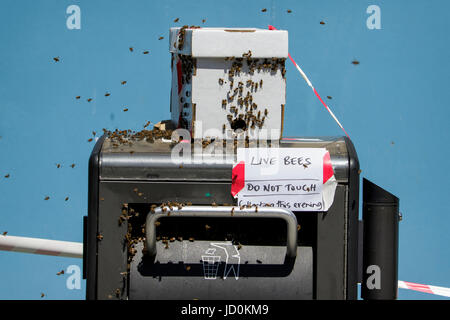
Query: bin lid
(148, 161)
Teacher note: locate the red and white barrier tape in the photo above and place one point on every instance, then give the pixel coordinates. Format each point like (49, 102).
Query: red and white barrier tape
(440, 291)
(314, 90)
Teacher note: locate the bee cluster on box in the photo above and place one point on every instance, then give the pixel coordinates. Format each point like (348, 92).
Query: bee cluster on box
(228, 82)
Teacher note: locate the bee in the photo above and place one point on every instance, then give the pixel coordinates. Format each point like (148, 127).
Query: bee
(224, 127)
(107, 94)
(167, 246)
(100, 237)
(207, 227)
(123, 82)
(203, 20)
(124, 273)
(94, 133)
(256, 208)
(305, 166)
(117, 292)
(264, 10)
(140, 194)
(77, 97)
(289, 11)
(145, 52)
(330, 97)
(172, 239)
(232, 211)
(224, 103)
(191, 239)
(322, 23)
(221, 81)
(90, 140)
(180, 238)
(89, 100)
(60, 273)
(56, 59)
(259, 115)
(47, 198)
(188, 268)
(125, 109)
(42, 294)
(176, 20)
(66, 199)
(258, 261)
(157, 223)
(266, 112)
(261, 83)
(359, 171)
(355, 62)
(5, 233)
(160, 38)
(256, 86)
(298, 227)
(72, 165)
(239, 247)
(131, 49)
(102, 199)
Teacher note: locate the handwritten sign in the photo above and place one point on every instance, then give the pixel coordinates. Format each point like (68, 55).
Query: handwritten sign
(290, 178)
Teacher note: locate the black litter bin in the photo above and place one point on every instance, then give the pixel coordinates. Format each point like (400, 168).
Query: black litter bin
(201, 246)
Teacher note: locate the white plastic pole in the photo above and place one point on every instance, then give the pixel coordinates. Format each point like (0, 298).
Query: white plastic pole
(41, 246)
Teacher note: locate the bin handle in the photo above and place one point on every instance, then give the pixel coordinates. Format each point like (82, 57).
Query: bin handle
(223, 212)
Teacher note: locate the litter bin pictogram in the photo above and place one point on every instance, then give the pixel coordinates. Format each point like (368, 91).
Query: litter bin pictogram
(210, 266)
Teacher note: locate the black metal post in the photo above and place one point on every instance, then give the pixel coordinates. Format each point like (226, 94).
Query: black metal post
(380, 243)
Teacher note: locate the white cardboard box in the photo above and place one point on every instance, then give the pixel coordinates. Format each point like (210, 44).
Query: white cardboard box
(224, 79)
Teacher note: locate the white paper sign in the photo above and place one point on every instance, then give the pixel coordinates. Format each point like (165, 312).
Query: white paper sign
(290, 178)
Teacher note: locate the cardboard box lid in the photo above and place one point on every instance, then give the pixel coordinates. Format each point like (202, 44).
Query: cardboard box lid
(229, 42)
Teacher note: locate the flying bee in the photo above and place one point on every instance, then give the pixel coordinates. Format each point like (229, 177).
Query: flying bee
(89, 100)
(322, 23)
(289, 11)
(56, 59)
(176, 20)
(90, 140)
(145, 52)
(305, 166)
(77, 97)
(207, 227)
(355, 62)
(60, 273)
(42, 294)
(100, 237)
(191, 239)
(157, 223)
(259, 115)
(160, 38)
(107, 94)
(203, 20)
(224, 127)
(66, 199)
(125, 109)
(266, 112)
(298, 227)
(172, 239)
(72, 165)
(131, 49)
(232, 211)
(188, 268)
(264, 10)
(123, 82)
(5, 233)
(47, 198)
(239, 247)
